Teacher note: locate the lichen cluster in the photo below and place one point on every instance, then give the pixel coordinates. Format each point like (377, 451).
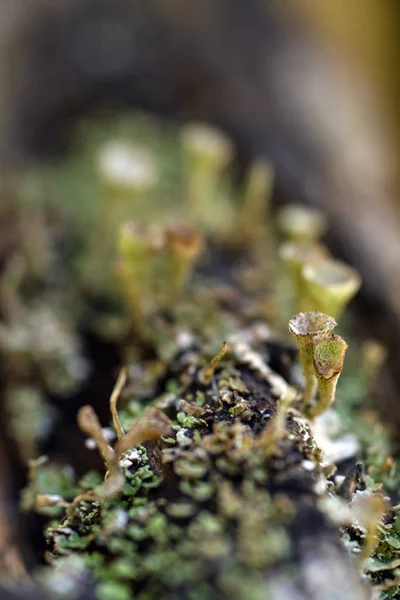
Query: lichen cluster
(207, 510)
(226, 475)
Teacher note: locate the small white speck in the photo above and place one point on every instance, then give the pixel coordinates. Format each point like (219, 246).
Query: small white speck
(121, 519)
(182, 438)
(320, 487)
(308, 465)
(134, 455)
(108, 434)
(90, 444)
(184, 339)
(130, 457)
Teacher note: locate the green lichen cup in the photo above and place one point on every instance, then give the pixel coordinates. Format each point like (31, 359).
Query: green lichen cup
(295, 255)
(305, 327)
(301, 223)
(329, 285)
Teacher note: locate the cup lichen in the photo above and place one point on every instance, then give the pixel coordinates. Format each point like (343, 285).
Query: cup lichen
(302, 223)
(154, 266)
(329, 285)
(184, 245)
(295, 255)
(200, 498)
(328, 355)
(305, 327)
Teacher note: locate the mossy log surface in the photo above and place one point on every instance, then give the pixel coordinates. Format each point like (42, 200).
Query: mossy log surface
(229, 504)
(221, 488)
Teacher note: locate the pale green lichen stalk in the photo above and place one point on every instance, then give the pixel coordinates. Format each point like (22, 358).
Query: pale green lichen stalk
(305, 327)
(253, 221)
(207, 152)
(128, 179)
(328, 363)
(294, 256)
(184, 246)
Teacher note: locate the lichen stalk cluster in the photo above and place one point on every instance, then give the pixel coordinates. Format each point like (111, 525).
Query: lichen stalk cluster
(322, 357)
(305, 327)
(154, 266)
(318, 282)
(217, 485)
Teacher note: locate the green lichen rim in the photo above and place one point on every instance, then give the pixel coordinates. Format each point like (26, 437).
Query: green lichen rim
(300, 252)
(333, 274)
(330, 284)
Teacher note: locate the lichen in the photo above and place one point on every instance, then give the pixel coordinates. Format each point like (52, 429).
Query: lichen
(217, 480)
(186, 495)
